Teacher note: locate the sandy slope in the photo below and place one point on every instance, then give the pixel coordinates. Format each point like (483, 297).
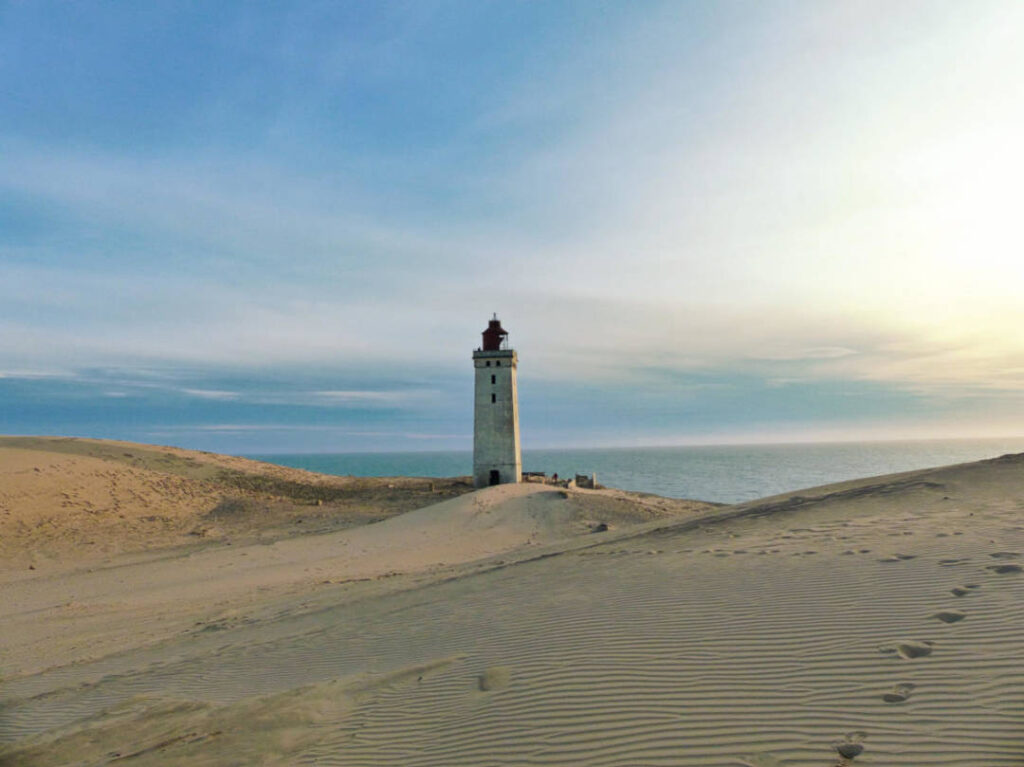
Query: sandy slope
(885, 614)
(66, 501)
(67, 507)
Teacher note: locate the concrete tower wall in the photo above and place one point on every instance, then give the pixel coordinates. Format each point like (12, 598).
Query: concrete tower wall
(496, 418)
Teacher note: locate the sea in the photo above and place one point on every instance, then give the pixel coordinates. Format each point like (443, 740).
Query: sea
(722, 473)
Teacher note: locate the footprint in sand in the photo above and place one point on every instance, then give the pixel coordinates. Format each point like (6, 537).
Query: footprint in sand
(949, 616)
(494, 678)
(1005, 555)
(1005, 569)
(953, 562)
(959, 591)
(898, 558)
(850, 746)
(909, 649)
(899, 693)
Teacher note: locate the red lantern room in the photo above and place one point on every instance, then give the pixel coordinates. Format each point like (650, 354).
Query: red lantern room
(495, 336)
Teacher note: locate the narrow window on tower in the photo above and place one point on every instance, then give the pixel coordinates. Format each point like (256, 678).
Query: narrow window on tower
(494, 398)
(492, 379)
(488, 363)
(498, 363)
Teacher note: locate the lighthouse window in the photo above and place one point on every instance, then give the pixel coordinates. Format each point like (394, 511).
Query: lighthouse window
(494, 398)
(488, 363)
(493, 380)
(498, 363)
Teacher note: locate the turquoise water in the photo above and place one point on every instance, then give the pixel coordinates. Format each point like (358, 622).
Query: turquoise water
(725, 473)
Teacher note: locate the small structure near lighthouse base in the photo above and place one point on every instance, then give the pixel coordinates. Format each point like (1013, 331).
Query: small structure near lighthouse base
(496, 456)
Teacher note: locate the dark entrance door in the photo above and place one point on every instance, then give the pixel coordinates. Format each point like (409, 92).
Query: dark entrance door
(495, 477)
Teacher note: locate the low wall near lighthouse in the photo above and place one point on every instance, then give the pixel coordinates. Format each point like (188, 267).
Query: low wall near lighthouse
(585, 481)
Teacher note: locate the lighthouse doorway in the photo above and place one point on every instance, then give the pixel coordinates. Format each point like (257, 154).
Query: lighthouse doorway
(495, 477)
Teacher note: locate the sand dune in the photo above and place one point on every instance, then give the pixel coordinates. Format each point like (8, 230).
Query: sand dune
(65, 501)
(54, 501)
(877, 622)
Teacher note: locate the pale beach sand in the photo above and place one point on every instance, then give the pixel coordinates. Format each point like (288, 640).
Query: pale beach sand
(882, 619)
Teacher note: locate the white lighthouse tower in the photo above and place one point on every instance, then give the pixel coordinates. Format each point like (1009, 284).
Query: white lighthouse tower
(496, 456)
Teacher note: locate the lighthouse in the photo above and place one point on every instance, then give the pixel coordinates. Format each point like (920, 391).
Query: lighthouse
(496, 456)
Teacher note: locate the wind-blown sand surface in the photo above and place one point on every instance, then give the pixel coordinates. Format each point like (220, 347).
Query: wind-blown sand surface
(882, 618)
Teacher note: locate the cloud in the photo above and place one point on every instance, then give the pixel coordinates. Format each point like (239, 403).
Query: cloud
(241, 427)
(34, 374)
(214, 394)
(780, 353)
(228, 428)
(395, 398)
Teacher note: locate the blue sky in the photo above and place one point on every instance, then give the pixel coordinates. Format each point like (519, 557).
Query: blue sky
(269, 227)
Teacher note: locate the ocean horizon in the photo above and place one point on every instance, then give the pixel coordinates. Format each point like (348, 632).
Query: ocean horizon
(720, 473)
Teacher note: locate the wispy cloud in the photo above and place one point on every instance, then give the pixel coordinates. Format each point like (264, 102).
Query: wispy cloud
(32, 374)
(227, 428)
(781, 353)
(214, 394)
(395, 397)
